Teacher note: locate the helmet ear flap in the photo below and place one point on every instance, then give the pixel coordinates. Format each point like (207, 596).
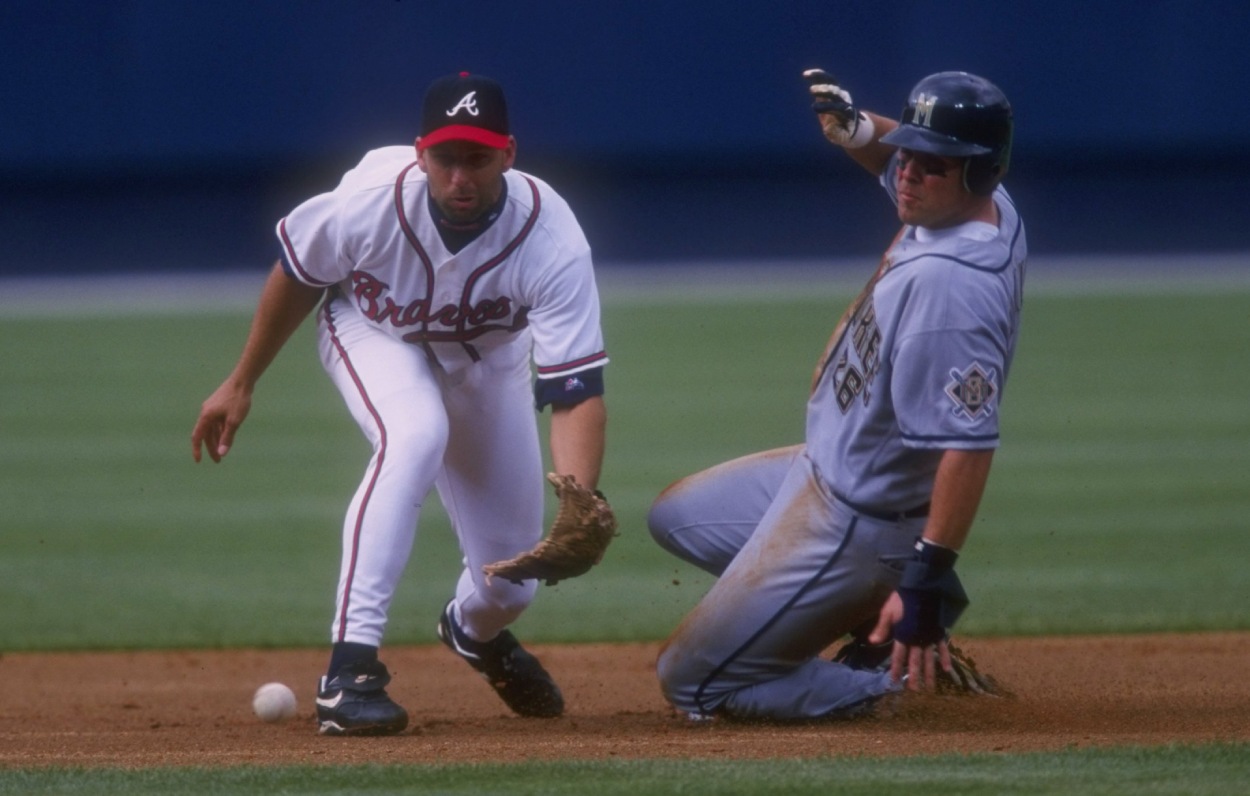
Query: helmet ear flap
(982, 175)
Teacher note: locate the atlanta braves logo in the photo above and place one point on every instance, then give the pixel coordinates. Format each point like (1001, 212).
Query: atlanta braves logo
(973, 391)
(468, 102)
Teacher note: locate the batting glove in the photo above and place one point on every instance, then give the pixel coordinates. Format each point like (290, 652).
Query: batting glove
(933, 598)
(841, 123)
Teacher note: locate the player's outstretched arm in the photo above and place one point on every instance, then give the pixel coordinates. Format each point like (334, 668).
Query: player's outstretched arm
(284, 303)
(875, 156)
(578, 440)
(584, 525)
(857, 131)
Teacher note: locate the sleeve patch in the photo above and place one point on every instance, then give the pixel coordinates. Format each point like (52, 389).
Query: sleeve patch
(972, 391)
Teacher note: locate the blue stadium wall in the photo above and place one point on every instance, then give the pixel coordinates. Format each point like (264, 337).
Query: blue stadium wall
(143, 135)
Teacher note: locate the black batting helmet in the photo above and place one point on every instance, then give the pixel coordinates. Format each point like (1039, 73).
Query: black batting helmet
(956, 114)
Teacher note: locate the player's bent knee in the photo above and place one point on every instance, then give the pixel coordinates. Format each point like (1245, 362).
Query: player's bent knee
(658, 526)
(414, 456)
(417, 442)
(679, 681)
(508, 598)
(671, 530)
(663, 520)
(659, 517)
(666, 673)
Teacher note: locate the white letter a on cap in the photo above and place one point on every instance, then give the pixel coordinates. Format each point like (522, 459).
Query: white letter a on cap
(468, 102)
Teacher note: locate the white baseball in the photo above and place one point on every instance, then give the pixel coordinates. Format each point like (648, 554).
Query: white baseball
(274, 702)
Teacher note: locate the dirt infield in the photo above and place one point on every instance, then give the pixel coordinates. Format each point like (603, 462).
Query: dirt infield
(194, 708)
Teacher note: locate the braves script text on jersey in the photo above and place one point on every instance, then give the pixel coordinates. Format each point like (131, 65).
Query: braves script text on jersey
(431, 351)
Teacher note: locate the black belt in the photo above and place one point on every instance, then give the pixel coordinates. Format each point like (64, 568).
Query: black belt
(888, 516)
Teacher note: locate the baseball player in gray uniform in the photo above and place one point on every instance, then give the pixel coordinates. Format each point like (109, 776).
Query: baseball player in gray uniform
(856, 530)
(441, 273)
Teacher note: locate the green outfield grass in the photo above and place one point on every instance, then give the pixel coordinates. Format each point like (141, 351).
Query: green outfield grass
(1118, 501)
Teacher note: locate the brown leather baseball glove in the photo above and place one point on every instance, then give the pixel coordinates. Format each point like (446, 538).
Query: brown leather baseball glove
(579, 535)
(965, 678)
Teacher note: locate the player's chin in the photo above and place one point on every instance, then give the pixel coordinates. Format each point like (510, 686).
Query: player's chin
(463, 211)
(912, 212)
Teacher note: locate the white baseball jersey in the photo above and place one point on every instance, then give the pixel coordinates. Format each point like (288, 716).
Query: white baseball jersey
(529, 275)
(431, 351)
(921, 363)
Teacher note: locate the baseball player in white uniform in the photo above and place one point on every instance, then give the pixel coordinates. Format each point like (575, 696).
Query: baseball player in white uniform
(438, 275)
(856, 531)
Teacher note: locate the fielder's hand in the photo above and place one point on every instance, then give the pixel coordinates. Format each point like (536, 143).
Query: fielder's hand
(579, 536)
(220, 416)
(840, 121)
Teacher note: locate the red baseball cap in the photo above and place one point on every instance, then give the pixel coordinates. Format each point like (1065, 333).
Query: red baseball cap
(464, 107)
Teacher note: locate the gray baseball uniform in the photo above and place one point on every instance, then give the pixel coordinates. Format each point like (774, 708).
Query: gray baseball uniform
(809, 541)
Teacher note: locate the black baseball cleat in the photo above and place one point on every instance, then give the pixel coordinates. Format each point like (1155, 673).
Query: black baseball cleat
(354, 702)
(516, 675)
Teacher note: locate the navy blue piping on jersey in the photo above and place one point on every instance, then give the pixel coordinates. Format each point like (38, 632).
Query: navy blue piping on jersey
(948, 438)
(997, 269)
(1015, 238)
(833, 559)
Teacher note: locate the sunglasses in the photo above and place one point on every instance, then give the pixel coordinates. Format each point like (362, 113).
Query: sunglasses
(930, 165)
